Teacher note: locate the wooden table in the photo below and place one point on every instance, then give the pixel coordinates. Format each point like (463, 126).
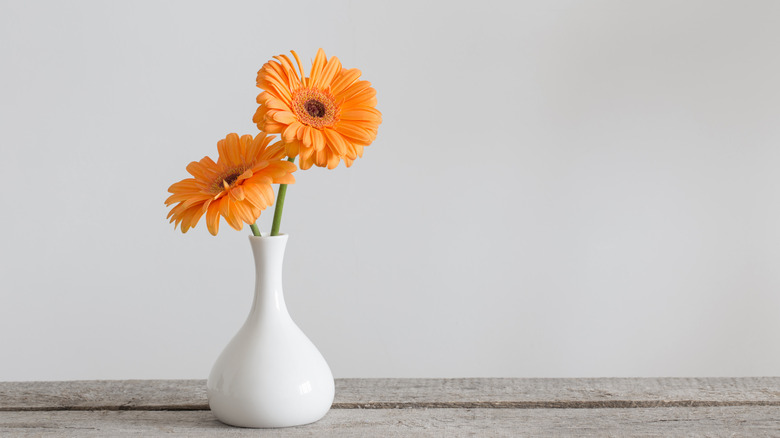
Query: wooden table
(412, 407)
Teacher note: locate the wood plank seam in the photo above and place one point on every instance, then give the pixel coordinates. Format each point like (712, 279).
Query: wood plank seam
(611, 404)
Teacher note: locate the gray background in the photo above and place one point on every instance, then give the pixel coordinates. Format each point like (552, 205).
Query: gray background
(559, 188)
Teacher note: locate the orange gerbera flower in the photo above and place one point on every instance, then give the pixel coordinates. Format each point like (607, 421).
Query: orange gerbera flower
(236, 187)
(324, 118)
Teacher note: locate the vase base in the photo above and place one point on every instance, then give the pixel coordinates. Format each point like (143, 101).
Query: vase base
(272, 410)
(266, 425)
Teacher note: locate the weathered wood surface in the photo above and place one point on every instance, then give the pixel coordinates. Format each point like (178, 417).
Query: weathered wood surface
(412, 393)
(746, 421)
(430, 408)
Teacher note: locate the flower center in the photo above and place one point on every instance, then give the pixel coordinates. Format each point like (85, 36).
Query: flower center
(228, 178)
(314, 107)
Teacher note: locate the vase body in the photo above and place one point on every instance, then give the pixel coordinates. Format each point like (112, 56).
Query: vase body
(270, 374)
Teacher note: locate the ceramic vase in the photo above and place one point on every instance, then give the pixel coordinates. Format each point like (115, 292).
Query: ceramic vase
(270, 374)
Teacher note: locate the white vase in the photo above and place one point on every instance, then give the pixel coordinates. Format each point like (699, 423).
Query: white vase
(270, 374)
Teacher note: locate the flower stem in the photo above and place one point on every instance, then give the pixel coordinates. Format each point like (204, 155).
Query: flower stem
(255, 230)
(279, 206)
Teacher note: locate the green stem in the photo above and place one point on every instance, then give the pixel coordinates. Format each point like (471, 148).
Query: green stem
(279, 206)
(255, 230)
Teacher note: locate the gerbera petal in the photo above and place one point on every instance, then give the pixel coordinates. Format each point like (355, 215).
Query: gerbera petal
(285, 117)
(191, 218)
(208, 163)
(317, 139)
(175, 212)
(272, 69)
(356, 102)
(294, 81)
(177, 197)
(257, 196)
(300, 67)
(244, 142)
(292, 149)
(198, 170)
(276, 87)
(273, 128)
(194, 200)
(269, 192)
(316, 68)
(243, 212)
(285, 179)
(268, 99)
(229, 150)
(333, 160)
(364, 99)
(321, 159)
(275, 151)
(212, 218)
(308, 137)
(351, 151)
(354, 132)
(227, 210)
(328, 73)
(306, 157)
(264, 97)
(185, 184)
(353, 90)
(277, 71)
(260, 179)
(258, 166)
(269, 115)
(177, 194)
(280, 169)
(265, 195)
(237, 193)
(306, 163)
(289, 134)
(259, 116)
(344, 80)
(255, 147)
(335, 141)
(368, 114)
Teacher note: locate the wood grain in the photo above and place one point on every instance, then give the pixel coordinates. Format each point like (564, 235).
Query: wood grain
(412, 393)
(412, 408)
(762, 421)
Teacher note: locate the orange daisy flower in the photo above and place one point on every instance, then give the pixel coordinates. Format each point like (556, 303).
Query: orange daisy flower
(326, 117)
(236, 187)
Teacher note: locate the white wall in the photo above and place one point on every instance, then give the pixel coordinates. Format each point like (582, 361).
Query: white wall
(559, 188)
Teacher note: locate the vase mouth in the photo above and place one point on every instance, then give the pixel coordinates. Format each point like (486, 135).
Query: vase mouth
(264, 236)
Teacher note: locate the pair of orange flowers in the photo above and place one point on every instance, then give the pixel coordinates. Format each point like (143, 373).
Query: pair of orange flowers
(323, 119)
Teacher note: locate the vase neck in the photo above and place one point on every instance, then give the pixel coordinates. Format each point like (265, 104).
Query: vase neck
(269, 255)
